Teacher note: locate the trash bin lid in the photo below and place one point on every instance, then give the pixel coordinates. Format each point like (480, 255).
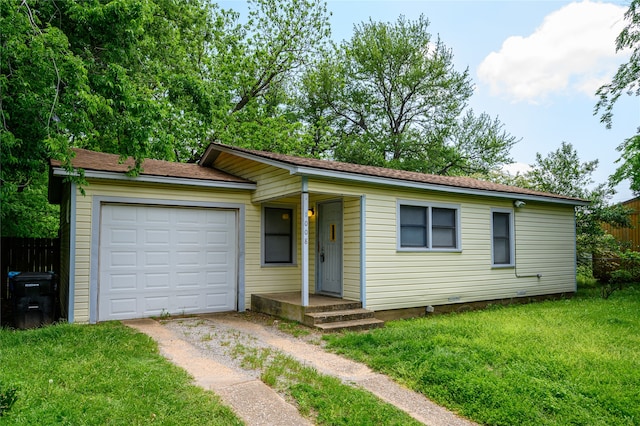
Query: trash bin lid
(27, 276)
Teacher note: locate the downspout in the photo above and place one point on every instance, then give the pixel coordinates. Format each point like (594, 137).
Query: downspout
(575, 252)
(363, 250)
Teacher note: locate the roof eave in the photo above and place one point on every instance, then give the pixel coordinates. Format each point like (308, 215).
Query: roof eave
(214, 150)
(314, 172)
(99, 174)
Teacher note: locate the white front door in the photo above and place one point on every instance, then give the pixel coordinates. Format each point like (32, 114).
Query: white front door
(329, 255)
(155, 260)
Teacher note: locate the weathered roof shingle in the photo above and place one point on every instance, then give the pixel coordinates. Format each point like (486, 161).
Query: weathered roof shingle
(400, 175)
(100, 161)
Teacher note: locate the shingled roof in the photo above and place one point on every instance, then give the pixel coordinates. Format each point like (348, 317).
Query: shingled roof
(396, 175)
(102, 162)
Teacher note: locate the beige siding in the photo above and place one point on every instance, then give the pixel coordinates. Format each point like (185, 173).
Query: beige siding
(274, 278)
(545, 241)
(545, 245)
(272, 182)
(351, 253)
(257, 279)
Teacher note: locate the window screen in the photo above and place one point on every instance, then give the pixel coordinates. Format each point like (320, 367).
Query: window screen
(413, 226)
(278, 235)
(423, 226)
(444, 228)
(501, 238)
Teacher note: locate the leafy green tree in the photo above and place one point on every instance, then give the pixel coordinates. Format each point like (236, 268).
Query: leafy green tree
(562, 172)
(259, 66)
(145, 78)
(390, 96)
(626, 80)
(27, 213)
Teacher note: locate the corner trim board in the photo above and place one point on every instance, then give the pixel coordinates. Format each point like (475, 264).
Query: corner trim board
(72, 253)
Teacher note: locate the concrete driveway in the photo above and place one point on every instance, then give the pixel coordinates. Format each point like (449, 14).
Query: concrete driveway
(200, 345)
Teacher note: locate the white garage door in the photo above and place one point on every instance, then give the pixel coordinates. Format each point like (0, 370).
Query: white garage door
(156, 260)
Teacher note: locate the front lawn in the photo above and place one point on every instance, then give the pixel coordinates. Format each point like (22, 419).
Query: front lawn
(573, 361)
(98, 375)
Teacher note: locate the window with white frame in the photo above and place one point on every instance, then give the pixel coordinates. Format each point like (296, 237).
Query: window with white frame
(426, 226)
(502, 235)
(278, 236)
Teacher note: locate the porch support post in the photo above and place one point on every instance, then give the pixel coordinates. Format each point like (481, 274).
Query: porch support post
(305, 241)
(363, 250)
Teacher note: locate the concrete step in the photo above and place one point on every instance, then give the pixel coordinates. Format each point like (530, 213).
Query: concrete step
(340, 305)
(314, 318)
(351, 325)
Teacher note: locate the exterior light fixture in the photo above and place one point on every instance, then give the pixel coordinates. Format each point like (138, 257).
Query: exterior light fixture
(311, 212)
(519, 203)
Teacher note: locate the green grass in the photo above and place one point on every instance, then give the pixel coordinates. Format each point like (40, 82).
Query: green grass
(323, 399)
(328, 401)
(104, 374)
(293, 328)
(573, 361)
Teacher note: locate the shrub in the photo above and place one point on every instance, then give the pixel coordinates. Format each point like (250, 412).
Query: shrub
(584, 276)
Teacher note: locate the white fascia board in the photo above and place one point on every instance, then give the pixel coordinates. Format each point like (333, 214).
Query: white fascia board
(331, 174)
(378, 180)
(158, 179)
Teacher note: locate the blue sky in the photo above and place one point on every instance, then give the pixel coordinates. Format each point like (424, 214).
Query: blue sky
(535, 64)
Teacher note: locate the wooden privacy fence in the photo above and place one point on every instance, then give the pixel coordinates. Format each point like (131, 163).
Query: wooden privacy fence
(28, 255)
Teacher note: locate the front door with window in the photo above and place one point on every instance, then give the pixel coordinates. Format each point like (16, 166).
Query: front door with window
(329, 254)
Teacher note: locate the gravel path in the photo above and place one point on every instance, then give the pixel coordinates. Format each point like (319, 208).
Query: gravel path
(216, 339)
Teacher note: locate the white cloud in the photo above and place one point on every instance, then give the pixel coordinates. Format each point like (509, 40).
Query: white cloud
(572, 51)
(515, 168)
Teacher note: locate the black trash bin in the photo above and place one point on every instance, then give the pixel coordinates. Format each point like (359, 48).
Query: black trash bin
(33, 296)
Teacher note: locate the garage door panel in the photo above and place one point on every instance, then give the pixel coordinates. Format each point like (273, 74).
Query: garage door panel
(155, 260)
(123, 216)
(155, 305)
(155, 216)
(120, 282)
(216, 301)
(188, 279)
(189, 217)
(188, 302)
(217, 237)
(123, 308)
(219, 278)
(213, 219)
(156, 281)
(189, 237)
(122, 259)
(188, 258)
(157, 236)
(122, 236)
(217, 258)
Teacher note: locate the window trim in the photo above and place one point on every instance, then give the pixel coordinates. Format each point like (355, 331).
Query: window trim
(294, 239)
(512, 239)
(429, 205)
